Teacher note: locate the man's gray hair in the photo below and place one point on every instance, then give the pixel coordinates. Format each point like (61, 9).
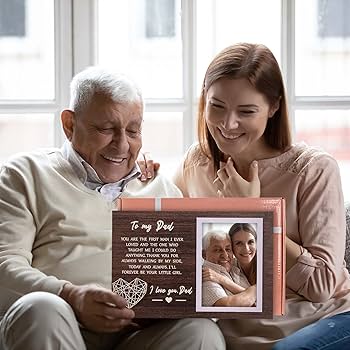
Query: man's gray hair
(219, 235)
(97, 80)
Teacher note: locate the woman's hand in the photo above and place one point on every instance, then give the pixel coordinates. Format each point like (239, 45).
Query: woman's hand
(230, 184)
(147, 166)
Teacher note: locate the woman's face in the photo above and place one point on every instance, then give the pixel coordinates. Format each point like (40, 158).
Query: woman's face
(236, 115)
(244, 246)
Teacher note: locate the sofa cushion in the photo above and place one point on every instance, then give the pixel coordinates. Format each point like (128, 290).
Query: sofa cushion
(347, 244)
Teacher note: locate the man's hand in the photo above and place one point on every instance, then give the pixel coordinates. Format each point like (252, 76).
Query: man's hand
(96, 308)
(211, 275)
(230, 184)
(147, 166)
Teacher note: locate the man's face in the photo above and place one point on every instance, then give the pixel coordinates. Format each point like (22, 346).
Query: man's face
(220, 252)
(108, 136)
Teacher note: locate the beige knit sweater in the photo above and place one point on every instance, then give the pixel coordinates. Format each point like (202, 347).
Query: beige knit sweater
(318, 285)
(54, 229)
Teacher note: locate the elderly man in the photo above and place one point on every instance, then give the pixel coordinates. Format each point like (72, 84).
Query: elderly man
(55, 231)
(218, 263)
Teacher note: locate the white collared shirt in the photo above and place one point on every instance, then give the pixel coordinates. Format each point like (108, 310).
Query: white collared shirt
(88, 176)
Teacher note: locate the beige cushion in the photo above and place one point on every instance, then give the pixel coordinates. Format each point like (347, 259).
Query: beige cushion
(347, 245)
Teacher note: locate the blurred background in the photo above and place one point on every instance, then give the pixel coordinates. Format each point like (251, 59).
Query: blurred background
(166, 46)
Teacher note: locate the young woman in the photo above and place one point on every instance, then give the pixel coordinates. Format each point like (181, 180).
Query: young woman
(245, 149)
(243, 238)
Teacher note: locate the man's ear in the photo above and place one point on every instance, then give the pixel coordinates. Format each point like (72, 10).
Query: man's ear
(68, 123)
(274, 108)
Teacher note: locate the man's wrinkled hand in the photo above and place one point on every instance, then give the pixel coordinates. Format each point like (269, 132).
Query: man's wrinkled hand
(210, 275)
(98, 309)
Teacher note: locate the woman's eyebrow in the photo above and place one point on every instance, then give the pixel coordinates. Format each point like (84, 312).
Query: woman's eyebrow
(216, 99)
(249, 106)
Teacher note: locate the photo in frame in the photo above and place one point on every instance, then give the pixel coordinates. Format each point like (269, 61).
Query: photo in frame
(207, 225)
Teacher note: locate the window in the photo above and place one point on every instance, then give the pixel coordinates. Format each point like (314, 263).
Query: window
(160, 18)
(34, 73)
(12, 18)
(154, 62)
(166, 46)
(319, 92)
(333, 18)
(27, 62)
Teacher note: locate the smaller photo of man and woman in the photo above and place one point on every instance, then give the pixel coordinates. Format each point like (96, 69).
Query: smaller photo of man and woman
(229, 264)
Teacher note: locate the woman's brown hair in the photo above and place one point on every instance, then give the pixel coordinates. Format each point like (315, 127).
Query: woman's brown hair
(257, 64)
